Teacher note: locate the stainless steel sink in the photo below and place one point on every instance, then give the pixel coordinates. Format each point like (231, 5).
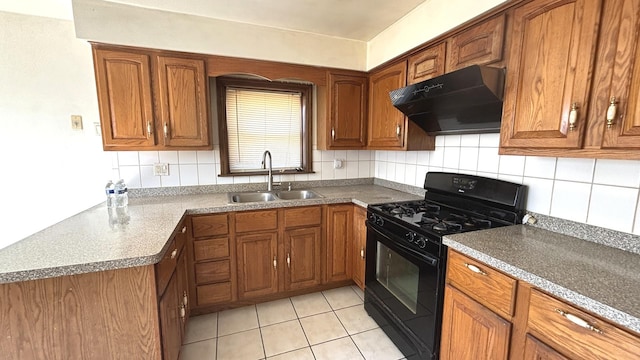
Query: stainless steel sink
(297, 195)
(251, 197)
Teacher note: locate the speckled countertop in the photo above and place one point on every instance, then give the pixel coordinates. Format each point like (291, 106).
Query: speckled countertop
(88, 242)
(598, 278)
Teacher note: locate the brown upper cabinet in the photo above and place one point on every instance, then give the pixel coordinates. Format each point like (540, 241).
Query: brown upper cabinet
(426, 64)
(129, 120)
(479, 45)
(572, 83)
(347, 112)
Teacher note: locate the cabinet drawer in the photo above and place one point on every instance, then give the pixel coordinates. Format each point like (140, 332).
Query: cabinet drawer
(210, 225)
(165, 267)
(550, 320)
(304, 216)
(213, 293)
(211, 249)
(256, 220)
(489, 287)
(213, 271)
(181, 237)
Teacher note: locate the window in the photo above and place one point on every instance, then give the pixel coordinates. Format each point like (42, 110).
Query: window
(256, 115)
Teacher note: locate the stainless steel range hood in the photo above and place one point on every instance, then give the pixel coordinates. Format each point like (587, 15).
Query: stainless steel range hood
(465, 101)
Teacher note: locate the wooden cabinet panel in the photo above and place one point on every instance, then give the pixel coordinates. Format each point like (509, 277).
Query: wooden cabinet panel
(170, 322)
(213, 293)
(470, 331)
(256, 220)
(479, 45)
(123, 81)
(386, 123)
(302, 216)
(257, 264)
(166, 266)
(211, 249)
(488, 286)
(427, 64)
(210, 225)
(183, 292)
(339, 233)
(550, 320)
(359, 247)
(183, 102)
(549, 65)
(347, 112)
(213, 271)
(302, 248)
(536, 350)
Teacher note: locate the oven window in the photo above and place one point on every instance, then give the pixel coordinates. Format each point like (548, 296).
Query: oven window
(398, 275)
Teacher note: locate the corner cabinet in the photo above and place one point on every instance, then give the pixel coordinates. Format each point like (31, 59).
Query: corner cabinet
(347, 112)
(136, 115)
(388, 128)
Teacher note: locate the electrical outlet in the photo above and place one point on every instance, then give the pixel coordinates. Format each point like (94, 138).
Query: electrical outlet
(161, 169)
(337, 163)
(76, 122)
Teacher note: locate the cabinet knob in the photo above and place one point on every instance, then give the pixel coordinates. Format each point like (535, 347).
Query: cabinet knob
(333, 134)
(578, 321)
(362, 253)
(475, 269)
(573, 116)
(149, 129)
(174, 253)
(166, 130)
(185, 298)
(611, 112)
(275, 263)
(183, 312)
(184, 229)
(398, 128)
(288, 261)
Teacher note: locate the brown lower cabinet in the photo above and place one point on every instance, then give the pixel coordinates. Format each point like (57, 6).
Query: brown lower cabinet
(257, 264)
(489, 315)
(359, 245)
(339, 229)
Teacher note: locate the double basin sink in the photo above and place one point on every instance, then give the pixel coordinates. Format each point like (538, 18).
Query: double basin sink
(266, 196)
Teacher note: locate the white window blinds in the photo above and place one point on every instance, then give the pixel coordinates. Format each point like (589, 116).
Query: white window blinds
(259, 120)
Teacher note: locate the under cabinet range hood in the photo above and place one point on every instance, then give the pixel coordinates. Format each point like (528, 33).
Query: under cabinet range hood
(465, 101)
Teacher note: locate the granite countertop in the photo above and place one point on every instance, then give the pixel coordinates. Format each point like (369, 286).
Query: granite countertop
(88, 242)
(601, 279)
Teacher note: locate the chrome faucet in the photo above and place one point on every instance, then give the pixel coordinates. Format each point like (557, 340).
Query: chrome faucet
(264, 166)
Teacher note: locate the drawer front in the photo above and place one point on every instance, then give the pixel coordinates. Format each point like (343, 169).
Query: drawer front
(166, 266)
(489, 287)
(211, 249)
(304, 216)
(256, 220)
(210, 225)
(213, 293)
(551, 321)
(181, 237)
(213, 271)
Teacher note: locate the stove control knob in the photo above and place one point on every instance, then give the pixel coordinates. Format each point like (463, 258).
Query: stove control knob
(376, 220)
(421, 242)
(410, 236)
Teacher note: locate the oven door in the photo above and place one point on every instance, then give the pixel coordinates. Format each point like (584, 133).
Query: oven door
(403, 293)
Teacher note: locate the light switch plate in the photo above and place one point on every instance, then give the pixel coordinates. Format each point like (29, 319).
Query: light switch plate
(161, 169)
(76, 122)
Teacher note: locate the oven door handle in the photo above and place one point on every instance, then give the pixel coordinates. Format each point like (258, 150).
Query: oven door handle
(432, 261)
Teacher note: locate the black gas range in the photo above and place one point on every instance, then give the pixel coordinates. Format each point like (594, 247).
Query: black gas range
(406, 260)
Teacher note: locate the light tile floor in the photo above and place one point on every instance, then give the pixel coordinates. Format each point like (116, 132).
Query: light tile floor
(330, 324)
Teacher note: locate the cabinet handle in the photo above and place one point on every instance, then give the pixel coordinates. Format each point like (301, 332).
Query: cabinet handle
(398, 130)
(166, 130)
(184, 229)
(573, 116)
(333, 134)
(475, 269)
(611, 112)
(174, 253)
(578, 321)
(185, 298)
(149, 129)
(183, 312)
(288, 261)
(362, 253)
(275, 262)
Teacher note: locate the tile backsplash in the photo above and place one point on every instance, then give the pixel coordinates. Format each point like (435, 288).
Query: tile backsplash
(598, 192)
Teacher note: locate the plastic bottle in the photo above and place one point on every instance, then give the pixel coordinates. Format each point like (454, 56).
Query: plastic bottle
(109, 190)
(122, 197)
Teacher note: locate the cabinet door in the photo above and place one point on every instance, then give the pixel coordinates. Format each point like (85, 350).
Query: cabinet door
(257, 264)
(124, 97)
(183, 291)
(339, 233)
(470, 331)
(347, 111)
(386, 123)
(534, 349)
(358, 254)
(549, 68)
(170, 322)
(480, 45)
(302, 256)
(619, 37)
(427, 64)
(183, 102)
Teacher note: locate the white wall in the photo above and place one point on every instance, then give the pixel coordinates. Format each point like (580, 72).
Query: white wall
(114, 23)
(425, 22)
(598, 192)
(50, 171)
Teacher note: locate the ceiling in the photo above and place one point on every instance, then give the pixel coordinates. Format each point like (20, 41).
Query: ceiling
(351, 19)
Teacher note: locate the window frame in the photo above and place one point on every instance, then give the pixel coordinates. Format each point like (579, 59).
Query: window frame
(307, 134)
